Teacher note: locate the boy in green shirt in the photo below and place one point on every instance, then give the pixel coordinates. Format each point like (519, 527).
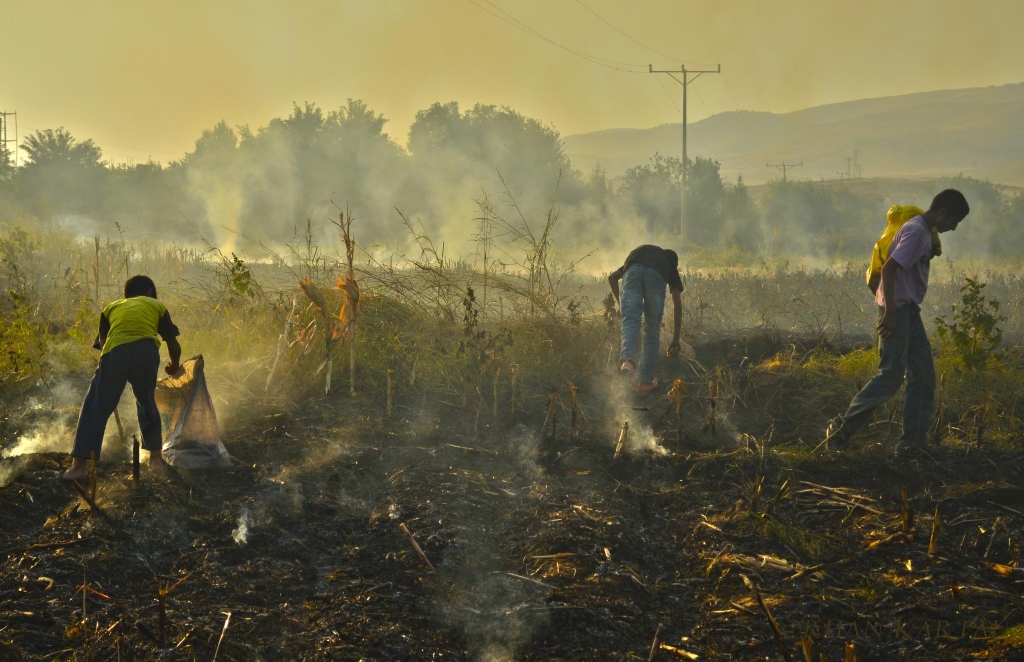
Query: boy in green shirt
(129, 338)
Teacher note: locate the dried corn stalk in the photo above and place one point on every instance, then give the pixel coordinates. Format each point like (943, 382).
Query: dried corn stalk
(329, 328)
(350, 292)
(675, 394)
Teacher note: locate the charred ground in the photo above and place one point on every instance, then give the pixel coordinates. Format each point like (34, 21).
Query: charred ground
(544, 548)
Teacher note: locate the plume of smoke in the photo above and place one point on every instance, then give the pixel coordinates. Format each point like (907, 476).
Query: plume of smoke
(643, 440)
(619, 393)
(44, 437)
(499, 615)
(241, 533)
(49, 419)
(526, 445)
(11, 469)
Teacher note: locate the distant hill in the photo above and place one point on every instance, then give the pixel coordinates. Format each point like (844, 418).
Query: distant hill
(978, 132)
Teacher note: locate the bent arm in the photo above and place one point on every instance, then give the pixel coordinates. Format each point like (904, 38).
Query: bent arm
(888, 322)
(613, 282)
(677, 321)
(677, 316)
(889, 283)
(101, 335)
(174, 350)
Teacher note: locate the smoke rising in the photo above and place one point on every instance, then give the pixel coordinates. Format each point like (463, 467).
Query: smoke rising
(10, 469)
(241, 533)
(460, 168)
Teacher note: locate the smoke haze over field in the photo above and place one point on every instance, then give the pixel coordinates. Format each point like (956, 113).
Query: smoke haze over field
(477, 181)
(454, 113)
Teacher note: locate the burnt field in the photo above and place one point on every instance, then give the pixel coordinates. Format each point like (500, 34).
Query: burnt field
(720, 517)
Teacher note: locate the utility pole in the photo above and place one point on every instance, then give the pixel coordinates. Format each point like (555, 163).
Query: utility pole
(3, 132)
(849, 172)
(783, 167)
(856, 163)
(686, 80)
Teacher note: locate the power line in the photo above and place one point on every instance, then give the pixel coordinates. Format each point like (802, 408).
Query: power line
(724, 135)
(634, 39)
(735, 103)
(572, 50)
(514, 22)
(531, 30)
(670, 99)
(718, 128)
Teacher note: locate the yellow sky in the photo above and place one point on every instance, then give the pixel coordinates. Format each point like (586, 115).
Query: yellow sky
(145, 78)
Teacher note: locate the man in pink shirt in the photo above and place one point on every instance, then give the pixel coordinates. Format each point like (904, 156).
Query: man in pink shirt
(903, 346)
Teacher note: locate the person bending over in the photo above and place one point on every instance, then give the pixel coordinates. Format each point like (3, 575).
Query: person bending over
(644, 274)
(129, 341)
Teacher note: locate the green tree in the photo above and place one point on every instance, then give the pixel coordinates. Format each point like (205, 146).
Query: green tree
(275, 179)
(742, 222)
(49, 147)
(704, 202)
(217, 144)
(599, 191)
(452, 148)
(61, 174)
(813, 218)
(6, 163)
(1006, 228)
(652, 190)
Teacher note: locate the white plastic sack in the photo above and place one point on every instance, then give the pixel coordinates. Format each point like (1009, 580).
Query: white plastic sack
(188, 421)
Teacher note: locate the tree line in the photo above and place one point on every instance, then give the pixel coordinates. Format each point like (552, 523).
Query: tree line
(271, 182)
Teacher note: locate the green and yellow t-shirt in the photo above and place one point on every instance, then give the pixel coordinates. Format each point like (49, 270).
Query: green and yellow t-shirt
(135, 318)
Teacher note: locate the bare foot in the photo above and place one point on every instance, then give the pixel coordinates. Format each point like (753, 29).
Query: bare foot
(156, 463)
(79, 470)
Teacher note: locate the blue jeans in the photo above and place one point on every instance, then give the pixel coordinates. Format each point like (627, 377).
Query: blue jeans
(906, 352)
(136, 363)
(643, 296)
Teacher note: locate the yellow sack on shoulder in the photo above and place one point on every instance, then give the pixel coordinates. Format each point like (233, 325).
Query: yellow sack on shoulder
(897, 216)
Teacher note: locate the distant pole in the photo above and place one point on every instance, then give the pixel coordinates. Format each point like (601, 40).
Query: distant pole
(686, 80)
(682, 184)
(849, 172)
(783, 167)
(3, 134)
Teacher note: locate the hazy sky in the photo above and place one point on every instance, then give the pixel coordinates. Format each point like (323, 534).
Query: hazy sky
(145, 78)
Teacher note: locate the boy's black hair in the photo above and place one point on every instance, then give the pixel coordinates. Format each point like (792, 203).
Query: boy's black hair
(953, 201)
(139, 286)
(673, 259)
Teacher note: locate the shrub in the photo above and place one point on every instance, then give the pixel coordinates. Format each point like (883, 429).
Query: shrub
(973, 335)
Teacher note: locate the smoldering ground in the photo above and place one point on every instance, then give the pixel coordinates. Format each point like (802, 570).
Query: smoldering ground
(542, 547)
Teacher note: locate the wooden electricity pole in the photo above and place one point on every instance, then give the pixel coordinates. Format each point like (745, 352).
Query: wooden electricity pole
(684, 81)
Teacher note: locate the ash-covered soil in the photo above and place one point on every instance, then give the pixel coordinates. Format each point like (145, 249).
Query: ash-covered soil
(542, 549)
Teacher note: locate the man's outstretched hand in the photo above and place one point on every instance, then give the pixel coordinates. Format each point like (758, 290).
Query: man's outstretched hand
(172, 368)
(673, 348)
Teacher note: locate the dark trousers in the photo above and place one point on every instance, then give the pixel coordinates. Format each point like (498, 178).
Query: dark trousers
(906, 353)
(136, 363)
